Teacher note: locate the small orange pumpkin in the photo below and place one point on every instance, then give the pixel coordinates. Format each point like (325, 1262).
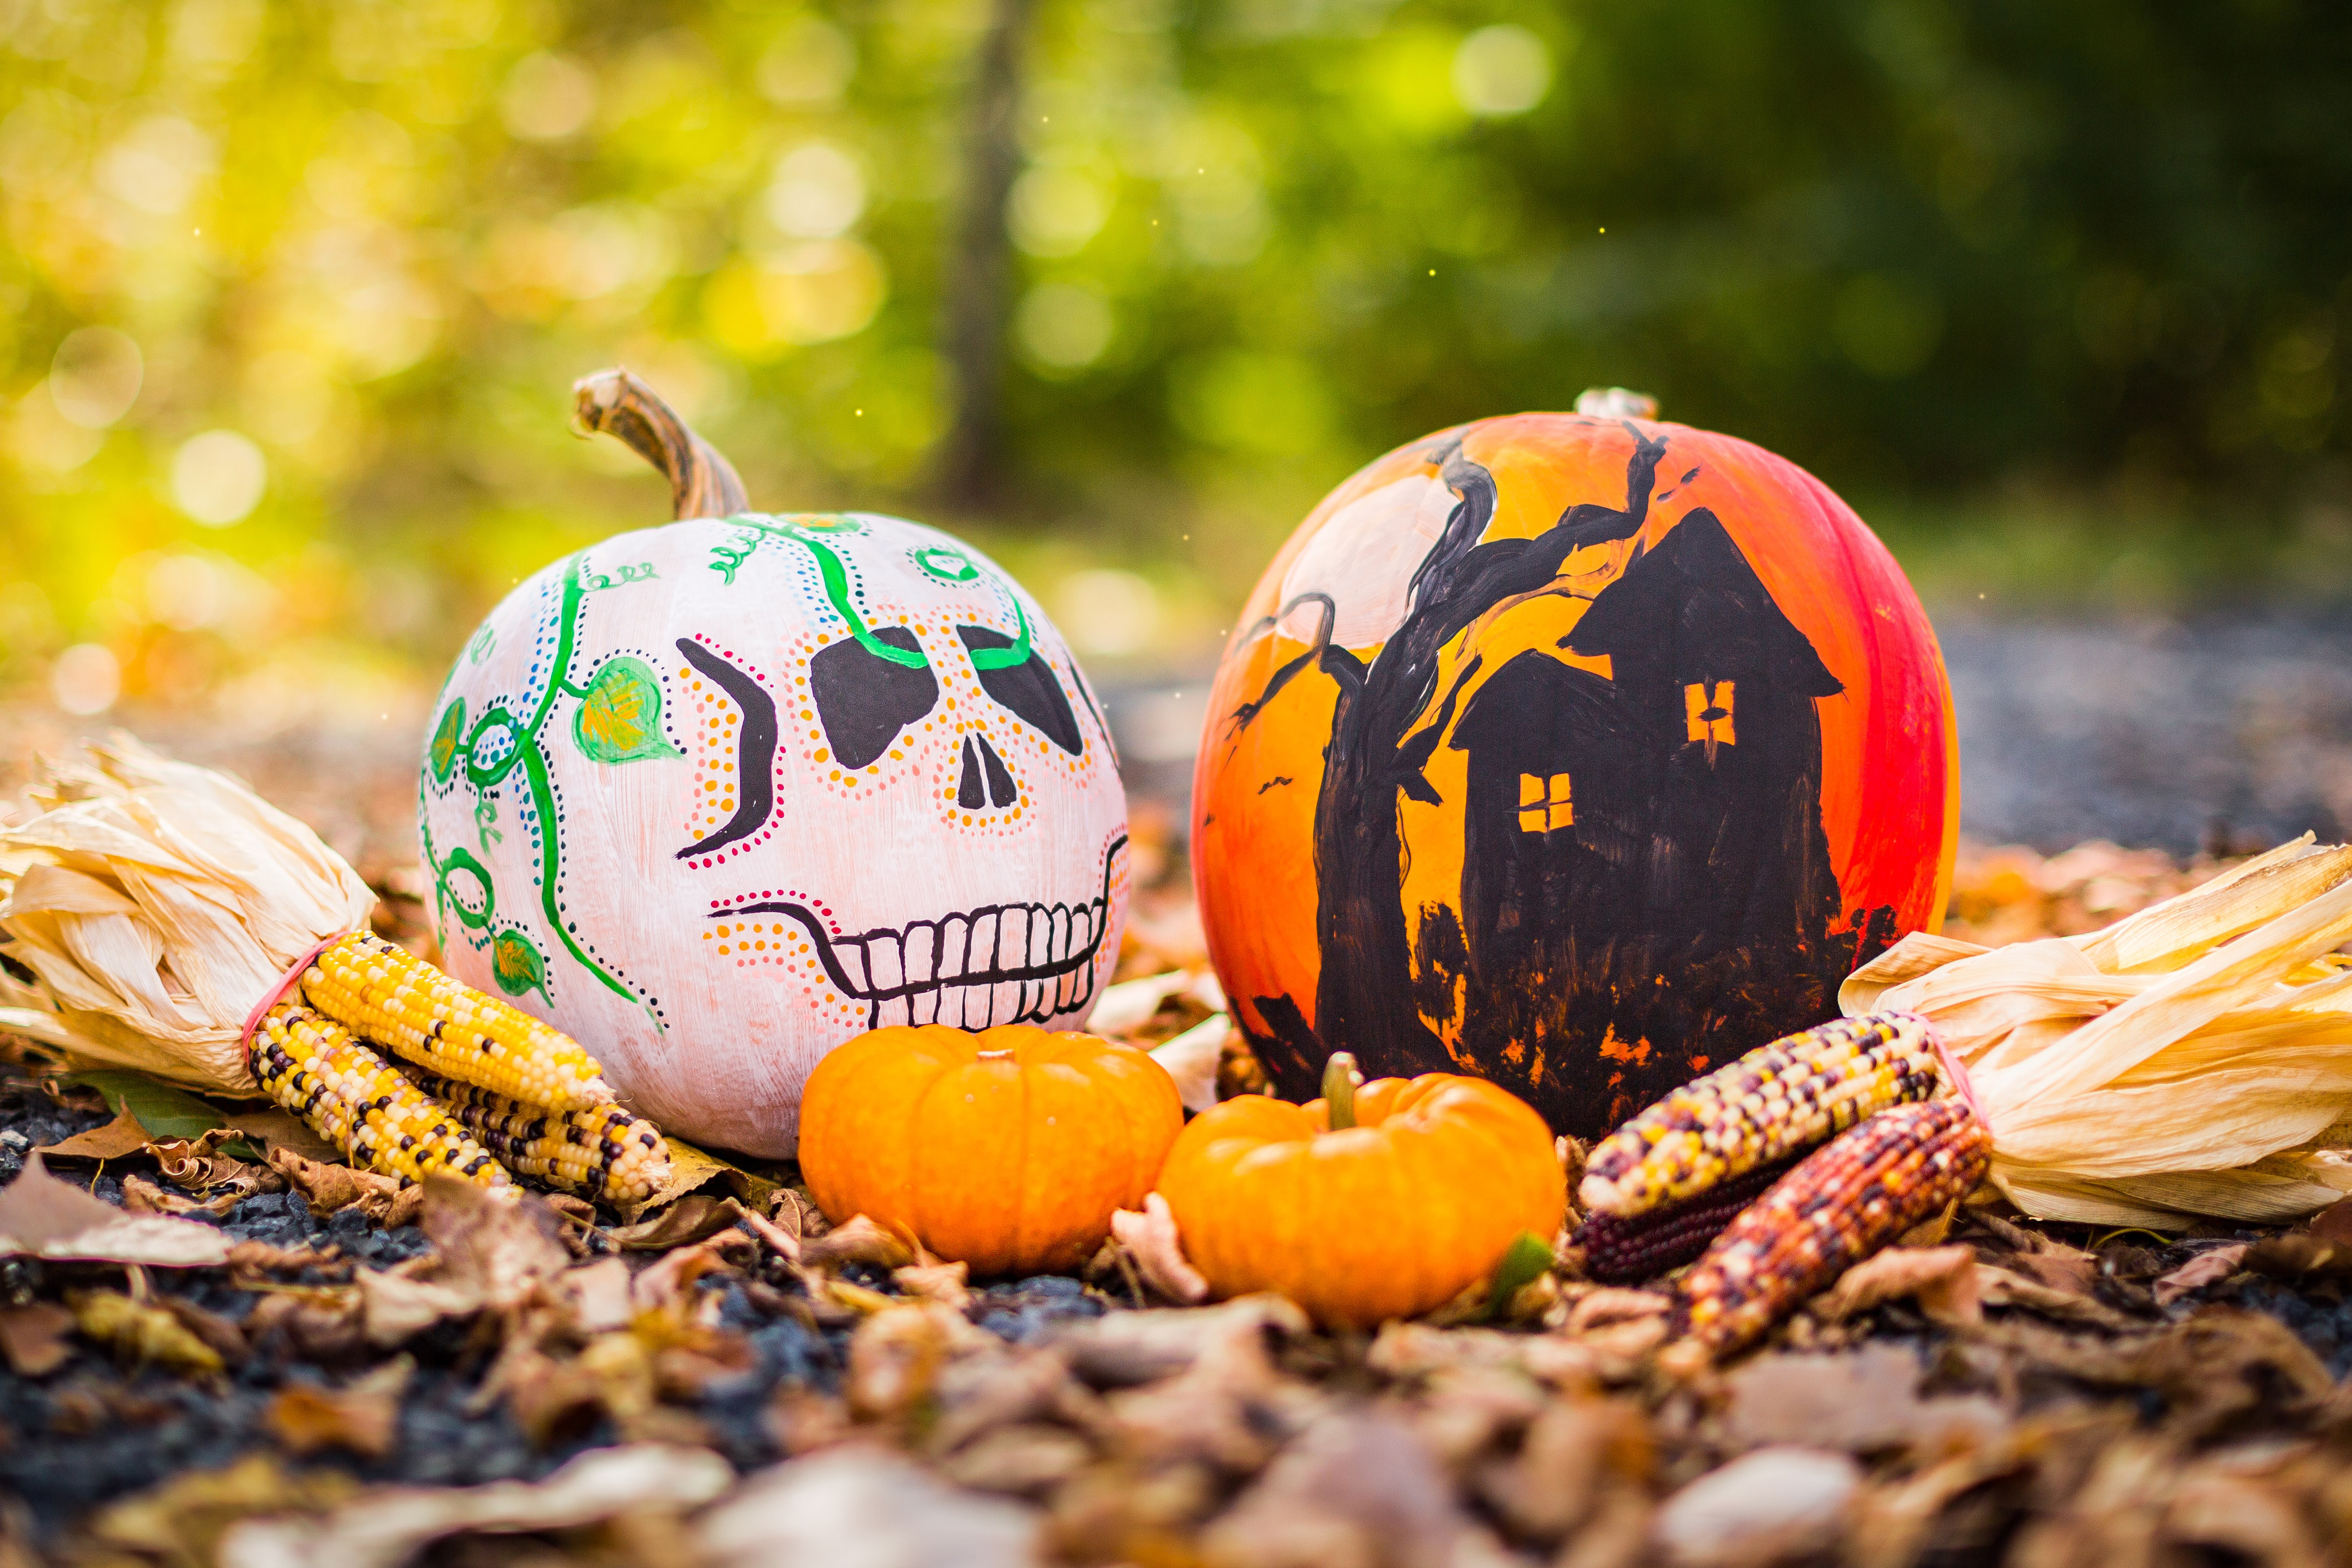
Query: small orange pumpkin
(1417, 1193)
(1008, 1149)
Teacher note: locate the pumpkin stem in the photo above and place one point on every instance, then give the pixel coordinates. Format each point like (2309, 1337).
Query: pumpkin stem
(1340, 1079)
(1616, 403)
(701, 482)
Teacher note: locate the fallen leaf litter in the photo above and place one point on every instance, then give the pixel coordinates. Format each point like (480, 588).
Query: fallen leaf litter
(320, 1370)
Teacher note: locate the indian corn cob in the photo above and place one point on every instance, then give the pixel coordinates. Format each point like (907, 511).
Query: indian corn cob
(601, 1151)
(1625, 1249)
(359, 1102)
(1775, 1101)
(383, 991)
(1842, 1203)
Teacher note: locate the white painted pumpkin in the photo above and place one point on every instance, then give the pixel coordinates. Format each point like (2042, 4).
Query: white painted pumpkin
(716, 796)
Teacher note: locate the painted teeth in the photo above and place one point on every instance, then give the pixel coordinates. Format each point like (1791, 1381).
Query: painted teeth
(1011, 964)
(1027, 964)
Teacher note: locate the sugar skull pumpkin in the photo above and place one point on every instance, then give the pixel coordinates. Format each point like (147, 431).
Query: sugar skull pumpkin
(1580, 752)
(717, 797)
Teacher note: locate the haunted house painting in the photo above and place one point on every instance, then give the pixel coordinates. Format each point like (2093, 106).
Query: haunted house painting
(1646, 887)
(1639, 846)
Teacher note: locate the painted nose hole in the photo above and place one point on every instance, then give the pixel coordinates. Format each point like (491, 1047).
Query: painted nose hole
(986, 780)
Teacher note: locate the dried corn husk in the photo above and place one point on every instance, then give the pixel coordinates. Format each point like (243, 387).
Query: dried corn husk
(2194, 1058)
(158, 901)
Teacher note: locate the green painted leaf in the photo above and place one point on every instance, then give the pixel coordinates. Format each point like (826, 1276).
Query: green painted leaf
(447, 736)
(619, 720)
(162, 1111)
(516, 963)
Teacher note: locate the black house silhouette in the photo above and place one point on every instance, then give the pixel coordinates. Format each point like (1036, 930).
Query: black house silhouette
(1661, 822)
(1720, 685)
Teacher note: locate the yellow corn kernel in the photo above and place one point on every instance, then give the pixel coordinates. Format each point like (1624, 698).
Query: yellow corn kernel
(383, 991)
(358, 1101)
(1775, 1101)
(601, 1151)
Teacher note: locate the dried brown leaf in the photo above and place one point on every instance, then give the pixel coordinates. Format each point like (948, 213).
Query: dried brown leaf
(1151, 1239)
(939, 1282)
(1127, 1348)
(895, 1357)
(1768, 1506)
(140, 1195)
(859, 1240)
(394, 1307)
(1356, 1490)
(598, 1296)
(116, 1140)
(1026, 1460)
(1608, 1306)
(2206, 1268)
(44, 1217)
(1865, 1400)
(495, 1247)
(182, 1523)
(140, 1334)
(855, 1505)
(361, 1418)
(328, 1188)
(2299, 1255)
(225, 1338)
(1576, 1453)
(1942, 1279)
(695, 1218)
(2000, 1288)
(36, 1338)
(385, 1528)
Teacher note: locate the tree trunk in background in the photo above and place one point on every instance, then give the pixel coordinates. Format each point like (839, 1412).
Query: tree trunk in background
(979, 272)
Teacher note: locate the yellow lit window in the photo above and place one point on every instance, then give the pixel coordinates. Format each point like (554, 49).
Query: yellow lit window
(1545, 803)
(1708, 710)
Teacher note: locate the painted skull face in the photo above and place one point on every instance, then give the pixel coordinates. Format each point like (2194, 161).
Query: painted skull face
(717, 797)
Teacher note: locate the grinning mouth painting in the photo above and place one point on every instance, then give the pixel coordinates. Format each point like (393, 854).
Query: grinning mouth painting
(998, 963)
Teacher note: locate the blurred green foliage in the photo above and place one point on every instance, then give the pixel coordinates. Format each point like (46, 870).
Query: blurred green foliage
(292, 295)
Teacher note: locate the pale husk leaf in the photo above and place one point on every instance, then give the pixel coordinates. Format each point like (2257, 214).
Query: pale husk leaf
(2183, 1086)
(158, 901)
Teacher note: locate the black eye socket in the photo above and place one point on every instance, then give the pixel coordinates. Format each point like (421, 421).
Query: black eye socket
(1028, 689)
(864, 700)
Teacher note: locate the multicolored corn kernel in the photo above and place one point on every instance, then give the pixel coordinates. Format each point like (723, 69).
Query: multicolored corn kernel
(1842, 1203)
(601, 1152)
(358, 1101)
(381, 990)
(1626, 1249)
(1776, 1101)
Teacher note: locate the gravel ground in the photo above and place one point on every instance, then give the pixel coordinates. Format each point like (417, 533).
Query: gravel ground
(96, 1429)
(2220, 731)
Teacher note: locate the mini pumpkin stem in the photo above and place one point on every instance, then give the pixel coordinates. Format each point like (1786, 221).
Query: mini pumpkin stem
(701, 482)
(1340, 1079)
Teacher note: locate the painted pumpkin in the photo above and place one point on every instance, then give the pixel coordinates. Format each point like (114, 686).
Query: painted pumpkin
(717, 797)
(1417, 1193)
(1580, 751)
(1008, 1149)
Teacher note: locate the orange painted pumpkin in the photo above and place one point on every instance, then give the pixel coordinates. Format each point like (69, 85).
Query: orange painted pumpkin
(1008, 1149)
(1580, 751)
(1397, 1214)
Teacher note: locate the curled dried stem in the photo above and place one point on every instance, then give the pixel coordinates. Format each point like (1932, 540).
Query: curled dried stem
(701, 482)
